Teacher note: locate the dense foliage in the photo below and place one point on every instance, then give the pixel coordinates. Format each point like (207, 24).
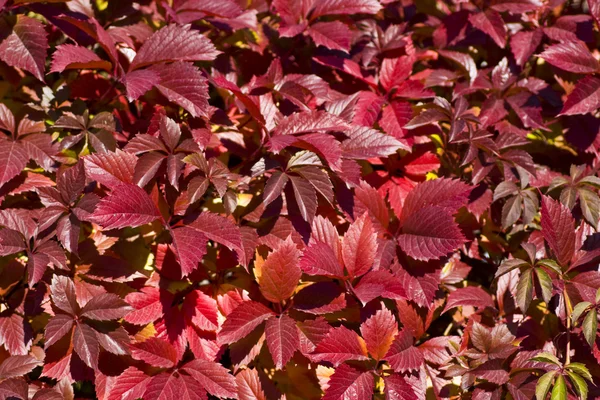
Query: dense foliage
(299, 199)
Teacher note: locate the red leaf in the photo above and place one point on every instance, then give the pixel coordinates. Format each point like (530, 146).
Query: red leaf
(320, 259)
(105, 307)
(334, 35)
(340, 345)
(15, 366)
(345, 7)
(213, 377)
(155, 352)
(379, 283)
(68, 56)
(86, 345)
(220, 230)
(469, 296)
(310, 122)
(429, 234)
(201, 309)
(305, 196)
(524, 43)
(139, 82)
(57, 328)
(359, 246)
(174, 43)
(147, 306)
(13, 158)
(280, 273)
(130, 385)
(379, 332)
(110, 169)
(349, 383)
(394, 71)
(572, 57)
(396, 388)
(241, 321)
(127, 205)
(63, 295)
(189, 246)
(282, 339)
(585, 97)
(450, 194)
(365, 143)
(183, 84)
(558, 228)
(491, 23)
(25, 46)
(249, 386)
(403, 356)
(14, 388)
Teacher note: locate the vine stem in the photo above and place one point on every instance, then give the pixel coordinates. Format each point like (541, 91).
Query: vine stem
(568, 310)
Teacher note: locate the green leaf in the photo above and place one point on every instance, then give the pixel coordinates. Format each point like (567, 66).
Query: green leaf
(543, 385)
(545, 283)
(509, 265)
(511, 211)
(547, 358)
(579, 384)
(559, 391)
(590, 326)
(525, 290)
(578, 310)
(591, 180)
(553, 265)
(557, 182)
(590, 206)
(580, 369)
